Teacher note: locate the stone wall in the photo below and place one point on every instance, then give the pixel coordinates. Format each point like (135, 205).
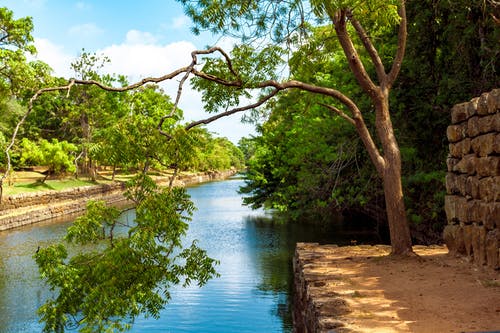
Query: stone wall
(29, 208)
(472, 203)
(317, 308)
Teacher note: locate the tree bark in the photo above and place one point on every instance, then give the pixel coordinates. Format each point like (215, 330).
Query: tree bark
(391, 179)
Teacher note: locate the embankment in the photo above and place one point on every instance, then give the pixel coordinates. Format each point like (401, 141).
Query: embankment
(28, 208)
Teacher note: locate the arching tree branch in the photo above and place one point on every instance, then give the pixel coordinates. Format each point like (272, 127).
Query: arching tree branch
(369, 47)
(261, 101)
(400, 52)
(339, 20)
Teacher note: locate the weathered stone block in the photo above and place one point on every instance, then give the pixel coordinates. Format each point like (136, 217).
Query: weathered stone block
(473, 128)
(461, 148)
(492, 249)
(473, 210)
(485, 213)
(478, 244)
(482, 104)
(493, 101)
(472, 187)
(467, 165)
(483, 145)
(451, 162)
(488, 166)
(489, 123)
(461, 112)
(488, 189)
(456, 132)
(462, 213)
(494, 215)
(481, 260)
(455, 183)
(454, 239)
(496, 144)
(467, 232)
(454, 207)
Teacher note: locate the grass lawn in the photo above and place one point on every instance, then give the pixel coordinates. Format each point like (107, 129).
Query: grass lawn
(56, 184)
(28, 181)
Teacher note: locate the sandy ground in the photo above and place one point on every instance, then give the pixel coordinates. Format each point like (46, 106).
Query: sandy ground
(434, 292)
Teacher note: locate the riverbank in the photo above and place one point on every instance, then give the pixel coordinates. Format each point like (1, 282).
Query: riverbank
(362, 289)
(28, 208)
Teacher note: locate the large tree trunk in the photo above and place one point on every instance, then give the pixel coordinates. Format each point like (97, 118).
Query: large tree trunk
(391, 177)
(395, 206)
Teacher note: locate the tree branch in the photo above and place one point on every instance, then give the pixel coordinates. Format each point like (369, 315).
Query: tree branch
(339, 113)
(358, 69)
(359, 123)
(369, 47)
(261, 101)
(400, 52)
(190, 69)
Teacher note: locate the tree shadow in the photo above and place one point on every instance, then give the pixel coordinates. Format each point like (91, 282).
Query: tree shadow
(37, 185)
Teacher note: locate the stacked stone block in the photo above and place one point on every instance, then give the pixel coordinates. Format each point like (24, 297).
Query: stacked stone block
(472, 203)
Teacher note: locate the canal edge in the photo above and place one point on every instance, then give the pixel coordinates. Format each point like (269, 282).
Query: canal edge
(30, 208)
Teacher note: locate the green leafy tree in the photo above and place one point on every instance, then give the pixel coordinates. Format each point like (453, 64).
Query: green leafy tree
(55, 155)
(92, 108)
(128, 273)
(15, 41)
(132, 137)
(18, 77)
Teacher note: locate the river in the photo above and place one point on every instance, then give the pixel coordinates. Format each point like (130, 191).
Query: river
(252, 293)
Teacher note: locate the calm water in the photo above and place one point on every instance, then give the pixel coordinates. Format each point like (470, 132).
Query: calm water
(251, 295)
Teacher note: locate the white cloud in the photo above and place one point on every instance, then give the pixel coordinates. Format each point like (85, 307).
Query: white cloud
(86, 30)
(138, 60)
(55, 56)
(139, 37)
(227, 43)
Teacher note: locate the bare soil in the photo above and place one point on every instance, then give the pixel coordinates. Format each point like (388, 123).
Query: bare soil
(434, 292)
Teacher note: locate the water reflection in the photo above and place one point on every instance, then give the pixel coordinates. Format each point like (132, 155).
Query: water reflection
(251, 295)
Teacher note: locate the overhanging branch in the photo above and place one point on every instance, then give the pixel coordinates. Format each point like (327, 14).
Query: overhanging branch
(261, 101)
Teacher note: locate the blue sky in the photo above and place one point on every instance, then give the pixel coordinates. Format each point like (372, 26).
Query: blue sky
(142, 38)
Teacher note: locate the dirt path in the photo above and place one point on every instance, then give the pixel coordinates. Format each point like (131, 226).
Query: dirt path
(433, 293)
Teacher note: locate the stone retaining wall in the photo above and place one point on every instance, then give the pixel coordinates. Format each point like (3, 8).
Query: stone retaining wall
(28, 208)
(316, 307)
(53, 197)
(472, 203)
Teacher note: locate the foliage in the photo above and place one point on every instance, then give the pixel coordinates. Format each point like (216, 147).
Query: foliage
(129, 269)
(308, 163)
(452, 56)
(15, 40)
(132, 138)
(56, 155)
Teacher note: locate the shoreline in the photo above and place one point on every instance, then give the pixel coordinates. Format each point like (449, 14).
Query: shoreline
(363, 289)
(34, 207)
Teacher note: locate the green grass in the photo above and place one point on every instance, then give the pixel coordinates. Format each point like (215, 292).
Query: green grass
(56, 185)
(27, 181)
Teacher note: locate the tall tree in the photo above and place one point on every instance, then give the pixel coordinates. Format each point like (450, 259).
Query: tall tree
(283, 22)
(18, 78)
